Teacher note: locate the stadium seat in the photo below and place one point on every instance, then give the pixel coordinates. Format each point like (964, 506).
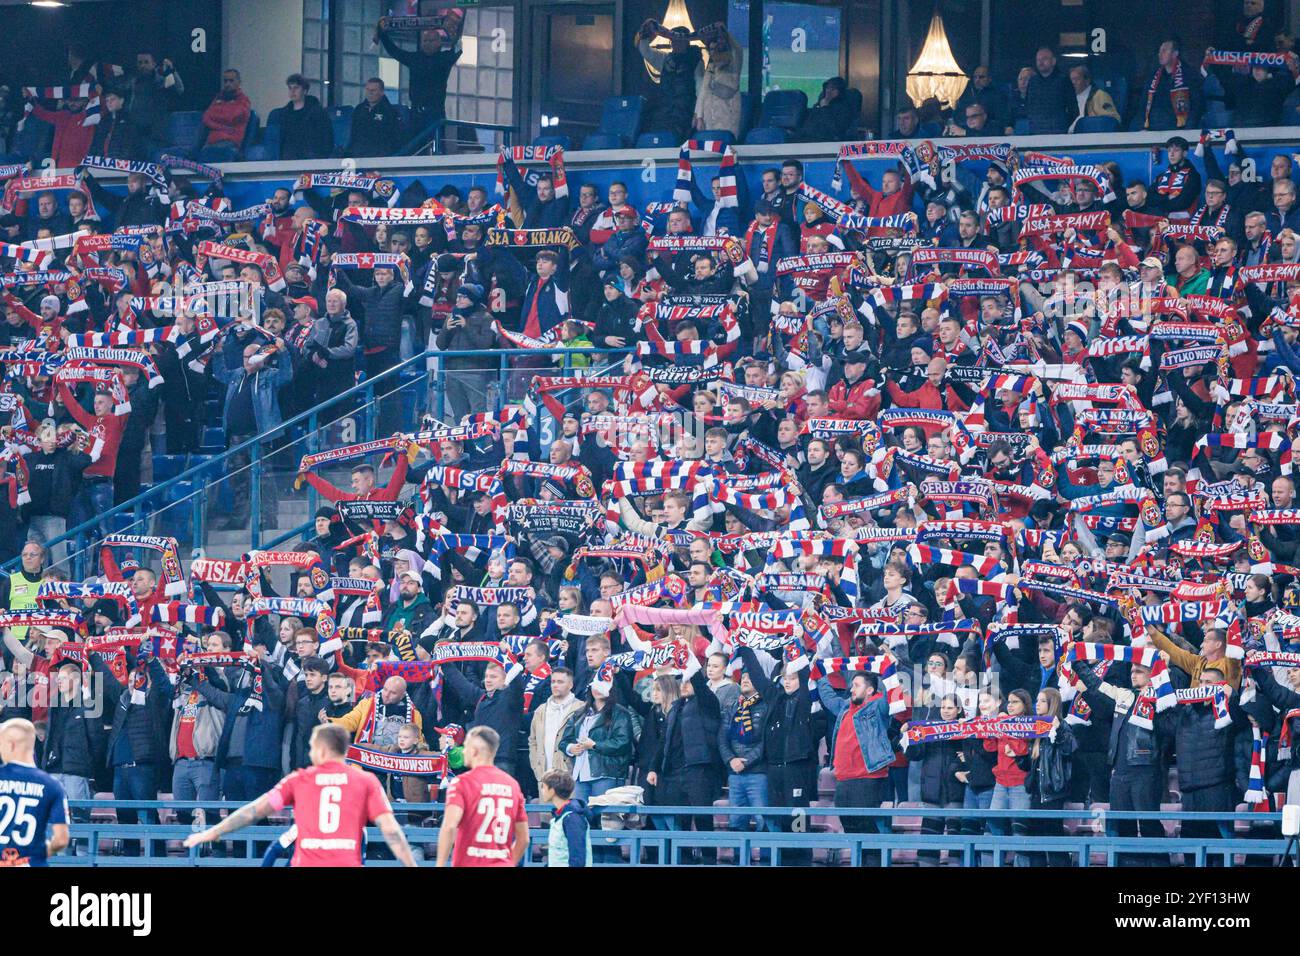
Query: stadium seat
(267, 147)
(602, 141)
(1096, 124)
(720, 135)
(766, 134)
(929, 130)
(166, 467)
(184, 131)
(34, 141)
(561, 141)
(1022, 127)
(341, 122)
(783, 108)
(621, 117)
(1117, 87)
(655, 140)
(214, 440)
(1216, 114)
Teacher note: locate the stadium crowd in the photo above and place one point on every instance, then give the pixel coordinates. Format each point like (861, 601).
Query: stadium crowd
(968, 490)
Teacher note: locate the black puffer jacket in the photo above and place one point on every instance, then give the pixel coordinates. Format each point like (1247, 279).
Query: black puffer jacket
(1050, 770)
(790, 736)
(1204, 753)
(979, 763)
(145, 725)
(75, 742)
(696, 720)
(381, 309)
(939, 766)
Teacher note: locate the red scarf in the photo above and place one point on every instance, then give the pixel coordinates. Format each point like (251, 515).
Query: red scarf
(1180, 97)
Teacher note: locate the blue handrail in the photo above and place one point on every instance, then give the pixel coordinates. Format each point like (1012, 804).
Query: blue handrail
(214, 465)
(669, 844)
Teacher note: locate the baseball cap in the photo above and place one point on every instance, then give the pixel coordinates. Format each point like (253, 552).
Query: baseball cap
(307, 300)
(455, 731)
(1151, 262)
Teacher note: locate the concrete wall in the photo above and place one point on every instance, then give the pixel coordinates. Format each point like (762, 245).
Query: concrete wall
(263, 40)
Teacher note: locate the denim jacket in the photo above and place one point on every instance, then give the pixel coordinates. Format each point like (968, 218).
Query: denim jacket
(871, 723)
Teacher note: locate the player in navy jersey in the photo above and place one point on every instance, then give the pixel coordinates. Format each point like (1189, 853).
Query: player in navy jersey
(31, 801)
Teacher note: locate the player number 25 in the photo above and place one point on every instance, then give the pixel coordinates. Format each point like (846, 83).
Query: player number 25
(495, 812)
(18, 815)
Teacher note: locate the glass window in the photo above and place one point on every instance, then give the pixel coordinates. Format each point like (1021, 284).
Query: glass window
(800, 44)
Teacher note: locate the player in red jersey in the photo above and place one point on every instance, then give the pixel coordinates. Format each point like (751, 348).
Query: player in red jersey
(333, 801)
(485, 815)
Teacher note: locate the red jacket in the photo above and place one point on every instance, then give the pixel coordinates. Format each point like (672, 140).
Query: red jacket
(927, 396)
(226, 120)
(71, 139)
(878, 204)
(106, 427)
(852, 401)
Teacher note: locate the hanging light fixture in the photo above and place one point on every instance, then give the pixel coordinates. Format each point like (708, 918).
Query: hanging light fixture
(935, 73)
(675, 16)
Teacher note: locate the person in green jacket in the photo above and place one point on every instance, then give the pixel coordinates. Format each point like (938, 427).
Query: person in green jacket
(1189, 278)
(569, 841)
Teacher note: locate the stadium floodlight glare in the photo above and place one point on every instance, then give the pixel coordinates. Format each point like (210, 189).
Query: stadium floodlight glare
(935, 72)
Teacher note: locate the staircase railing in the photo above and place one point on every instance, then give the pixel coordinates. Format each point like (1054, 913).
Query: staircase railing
(186, 505)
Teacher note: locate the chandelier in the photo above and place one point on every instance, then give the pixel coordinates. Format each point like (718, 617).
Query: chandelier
(935, 73)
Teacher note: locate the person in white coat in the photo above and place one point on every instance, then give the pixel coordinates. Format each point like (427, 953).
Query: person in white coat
(717, 82)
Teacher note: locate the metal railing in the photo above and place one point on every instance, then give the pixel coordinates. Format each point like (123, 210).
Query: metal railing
(176, 506)
(664, 844)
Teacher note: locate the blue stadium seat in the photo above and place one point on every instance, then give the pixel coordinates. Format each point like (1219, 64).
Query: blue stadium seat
(621, 117)
(1117, 87)
(765, 134)
(185, 130)
(1216, 114)
(214, 440)
(341, 121)
(784, 108)
(166, 467)
(1096, 124)
(34, 141)
(724, 135)
(267, 147)
(602, 141)
(562, 141)
(656, 140)
(253, 131)
(1022, 127)
(1212, 88)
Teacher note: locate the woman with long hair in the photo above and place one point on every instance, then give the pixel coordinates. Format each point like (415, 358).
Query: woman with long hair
(1048, 783)
(975, 765)
(940, 787)
(1009, 774)
(599, 741)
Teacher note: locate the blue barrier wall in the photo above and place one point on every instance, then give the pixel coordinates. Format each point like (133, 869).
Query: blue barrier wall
(1138, 155)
